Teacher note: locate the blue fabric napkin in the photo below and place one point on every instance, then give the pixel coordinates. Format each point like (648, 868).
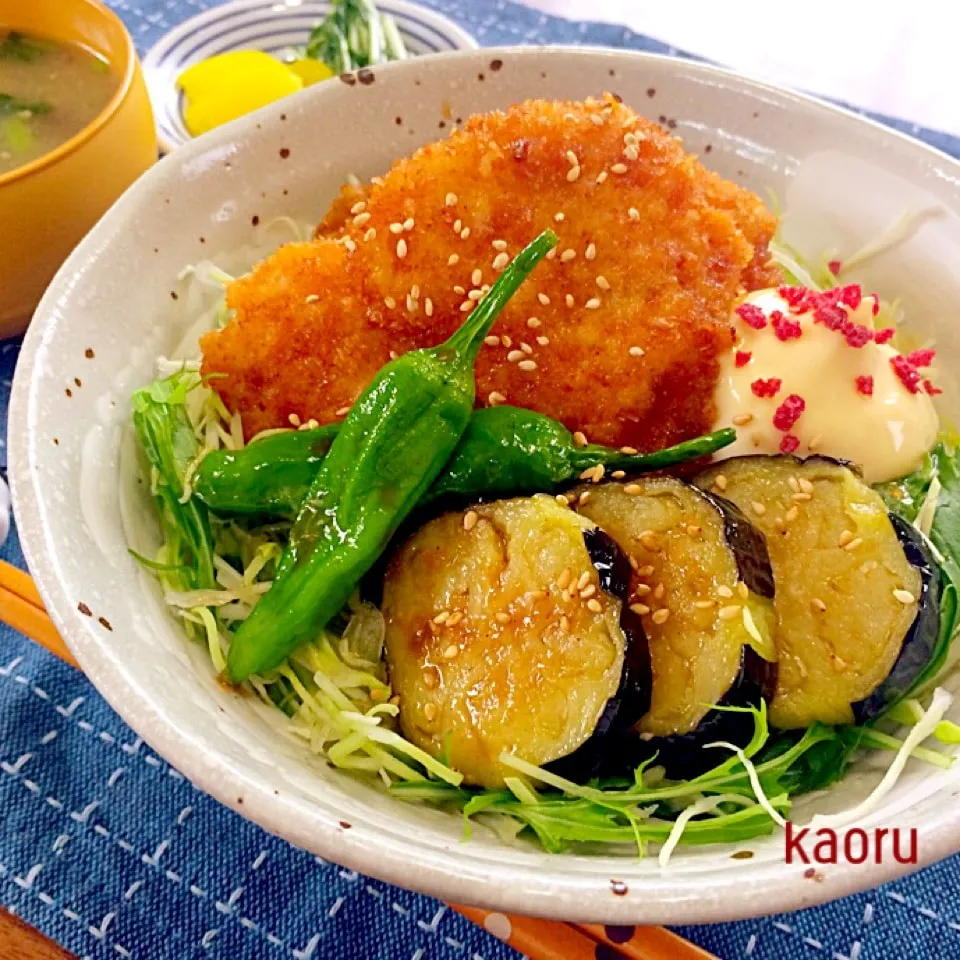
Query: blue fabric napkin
(110, 851)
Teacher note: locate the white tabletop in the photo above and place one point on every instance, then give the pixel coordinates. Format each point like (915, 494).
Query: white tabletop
(896, 57)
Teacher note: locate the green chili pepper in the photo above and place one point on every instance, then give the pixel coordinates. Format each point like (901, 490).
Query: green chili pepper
(390, 448)
(504, 450)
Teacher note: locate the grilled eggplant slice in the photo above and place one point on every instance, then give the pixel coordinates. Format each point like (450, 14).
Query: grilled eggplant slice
(702, 585)
(847, 593)
(503, 633)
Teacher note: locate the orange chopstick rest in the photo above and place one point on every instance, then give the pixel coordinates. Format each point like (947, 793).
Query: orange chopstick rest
(536, 939)
(646, 943)
(35, 623)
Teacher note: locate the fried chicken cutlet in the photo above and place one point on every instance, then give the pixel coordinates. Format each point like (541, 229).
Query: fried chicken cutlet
(617, 335)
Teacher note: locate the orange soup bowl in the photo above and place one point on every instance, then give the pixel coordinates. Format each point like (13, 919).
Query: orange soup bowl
(49, 204)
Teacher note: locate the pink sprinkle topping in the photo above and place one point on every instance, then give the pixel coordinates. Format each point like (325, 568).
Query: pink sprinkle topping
(931, 389)
(907, 373)
(786, 328)
(752, 315)
(856, 334)
(799, 299)
(884, 335)
(789, 443)
(865, 386)
(788, 413)
(831, 315)
(921, 358)
(876, 304)
(766, 388)
(742, 357)
(851, 295)
(834, 267)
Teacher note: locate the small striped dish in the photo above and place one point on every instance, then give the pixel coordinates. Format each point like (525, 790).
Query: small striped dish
(273, 26)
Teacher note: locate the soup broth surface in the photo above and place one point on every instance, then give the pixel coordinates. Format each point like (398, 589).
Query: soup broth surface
(49, 91)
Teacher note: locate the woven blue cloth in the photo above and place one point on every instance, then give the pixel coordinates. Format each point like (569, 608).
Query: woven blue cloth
(111, 852)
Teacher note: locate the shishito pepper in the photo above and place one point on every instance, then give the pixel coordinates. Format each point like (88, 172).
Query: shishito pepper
(390, 448)
(504, 450)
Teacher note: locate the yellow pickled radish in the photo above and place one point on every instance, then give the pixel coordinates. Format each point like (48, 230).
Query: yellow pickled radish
(232, 84)
(310, 71)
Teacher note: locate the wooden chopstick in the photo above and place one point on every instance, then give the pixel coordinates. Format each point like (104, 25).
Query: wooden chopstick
(22, 608)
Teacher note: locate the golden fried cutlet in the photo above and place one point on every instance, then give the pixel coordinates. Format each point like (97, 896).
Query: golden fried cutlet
(617, 335)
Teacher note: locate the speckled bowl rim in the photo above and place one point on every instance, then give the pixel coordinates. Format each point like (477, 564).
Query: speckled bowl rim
(450, 874)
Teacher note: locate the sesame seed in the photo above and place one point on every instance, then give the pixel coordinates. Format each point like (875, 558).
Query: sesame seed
(442, 617)
(467, 306)
(602, 282)
(742, 419)
(758, 508)
(805, 485)
(594, 606)
(642, 589)
(476, 278)
(658, 591)
(743, 590)
(636, 351)
(412, 304)
(720, 482)
(601, 176)
(794, 484)
(464, 233)
(583, 579)
(815, 442)
(596, 119)
(396, 228)
(543, 298)
(853, 544)
(514, 355)
(661, 616)
(648, 541)
(579, 438)
(543, 341)
(428, 307)
(802, 497)
(533, 323)
(361, 219)
(591, 252)
(618, 474)
(704, 604)
(500, 261)
(457, 225)
(583, 498)
(572, 157)
(586, 474)
(294, 420)
(562, 500)
(619, 168)
(455, 618)
(568, 300)
(632, 489)
(430, 678)
(904, 596)
(567, 255)
(641, 609)
(565, 575)
(573, 174)
(818, 604)
(598, 472)
(844, 538)
(527, 365)
(430, 711)
(694, 530)
(450, 200)
(724, 592)
(408, 223)
(507, 342)
(475, 294)
(459, 290)
(359, 206)
(470, 519)
(792, 514)
(558, 217)
(451, 652)
(592, 303)
(401, 248)
(370, 234)
(453, 259)
(342, 412)
(633, 213)
(526, 348)
(492, 341)
(312, 298)
(493, 398)
(349, 244)
(631, 152)
(645, 570)
(629, 451)
(729, 612)
(779, 524)
(588, 591)
(499, 245)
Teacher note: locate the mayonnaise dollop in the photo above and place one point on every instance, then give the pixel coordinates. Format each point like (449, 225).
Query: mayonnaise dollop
(855, 404)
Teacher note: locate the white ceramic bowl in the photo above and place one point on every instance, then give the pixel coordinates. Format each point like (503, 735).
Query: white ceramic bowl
(107, 315)
(273, 26)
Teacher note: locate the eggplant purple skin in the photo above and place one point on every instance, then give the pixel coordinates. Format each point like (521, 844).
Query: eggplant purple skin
(921, 639)
(632, 699)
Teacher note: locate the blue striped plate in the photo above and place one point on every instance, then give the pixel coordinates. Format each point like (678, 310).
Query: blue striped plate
(273, 26)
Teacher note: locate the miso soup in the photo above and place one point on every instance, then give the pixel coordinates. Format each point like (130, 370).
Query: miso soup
(49, 91)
